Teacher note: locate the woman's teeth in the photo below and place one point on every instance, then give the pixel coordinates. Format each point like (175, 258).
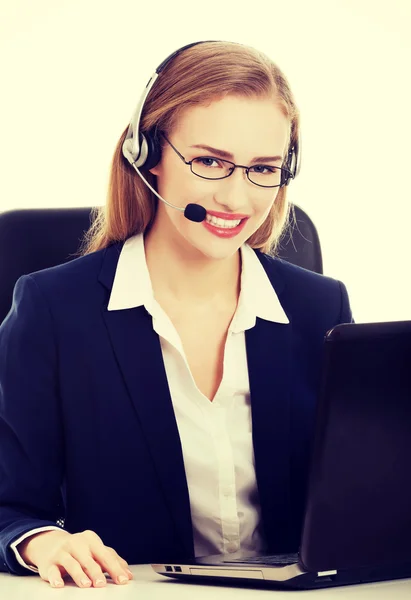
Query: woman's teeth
(229, 224)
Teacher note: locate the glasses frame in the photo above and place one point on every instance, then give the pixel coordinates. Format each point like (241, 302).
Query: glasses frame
(285, 173)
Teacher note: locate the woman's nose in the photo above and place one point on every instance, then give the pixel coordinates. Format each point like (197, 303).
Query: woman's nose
(234, 191)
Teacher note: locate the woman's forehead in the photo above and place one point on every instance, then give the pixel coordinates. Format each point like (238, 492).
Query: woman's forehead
(232, 109)
(234, 122)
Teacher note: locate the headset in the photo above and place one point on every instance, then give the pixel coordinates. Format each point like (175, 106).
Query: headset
(144, 149)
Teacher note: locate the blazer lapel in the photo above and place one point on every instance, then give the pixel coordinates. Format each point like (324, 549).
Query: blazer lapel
(138, 352)
(269, 364)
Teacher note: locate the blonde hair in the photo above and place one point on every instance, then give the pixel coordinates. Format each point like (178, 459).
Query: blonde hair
(198, 75)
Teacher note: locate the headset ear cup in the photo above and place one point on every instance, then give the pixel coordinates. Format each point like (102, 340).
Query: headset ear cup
(293, 163)
(291, 167)
(285, 177)
(153, 150)
(141, 158)
(297, 155)
(136, 155)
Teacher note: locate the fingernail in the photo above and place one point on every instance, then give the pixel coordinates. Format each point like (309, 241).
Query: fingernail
(122, 579)
(85, 582)
(100, 582)
(57, 583)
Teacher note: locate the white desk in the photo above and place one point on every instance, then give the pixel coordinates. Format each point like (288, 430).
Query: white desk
(147, 585)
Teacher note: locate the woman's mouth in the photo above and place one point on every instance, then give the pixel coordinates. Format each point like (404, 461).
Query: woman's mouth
(224, 228)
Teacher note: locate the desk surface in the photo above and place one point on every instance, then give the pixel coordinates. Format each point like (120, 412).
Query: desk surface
(147, 585)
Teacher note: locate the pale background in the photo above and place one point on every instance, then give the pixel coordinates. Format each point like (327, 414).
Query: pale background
(73, 70)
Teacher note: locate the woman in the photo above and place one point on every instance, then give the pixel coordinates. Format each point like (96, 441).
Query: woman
(158, 393)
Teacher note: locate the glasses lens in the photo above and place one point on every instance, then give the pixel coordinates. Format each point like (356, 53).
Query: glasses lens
(265, 175)
(211, 167)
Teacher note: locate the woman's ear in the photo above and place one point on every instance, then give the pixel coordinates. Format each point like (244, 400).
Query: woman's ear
(155, 170)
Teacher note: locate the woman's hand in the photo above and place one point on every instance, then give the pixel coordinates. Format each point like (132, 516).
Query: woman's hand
(83, 556)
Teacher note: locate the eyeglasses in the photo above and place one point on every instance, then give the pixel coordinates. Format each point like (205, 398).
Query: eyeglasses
(211, 167)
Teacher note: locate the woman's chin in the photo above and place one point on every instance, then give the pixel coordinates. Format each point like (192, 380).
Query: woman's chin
(217, 248)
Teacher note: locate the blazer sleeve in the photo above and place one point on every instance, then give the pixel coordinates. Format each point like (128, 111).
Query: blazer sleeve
(31, 430)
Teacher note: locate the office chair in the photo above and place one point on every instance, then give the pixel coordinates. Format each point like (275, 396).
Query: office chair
(35, 239)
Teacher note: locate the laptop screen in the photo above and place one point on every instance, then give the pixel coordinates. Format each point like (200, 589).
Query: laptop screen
(359, 501)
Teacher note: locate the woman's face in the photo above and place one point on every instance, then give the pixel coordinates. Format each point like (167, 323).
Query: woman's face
(244, 128)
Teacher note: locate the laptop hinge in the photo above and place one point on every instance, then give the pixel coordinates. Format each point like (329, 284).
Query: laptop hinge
(326, 573)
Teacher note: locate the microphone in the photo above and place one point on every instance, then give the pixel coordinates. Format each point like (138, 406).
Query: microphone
(193, 212)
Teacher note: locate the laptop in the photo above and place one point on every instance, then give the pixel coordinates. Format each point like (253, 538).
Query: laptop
(357, 520)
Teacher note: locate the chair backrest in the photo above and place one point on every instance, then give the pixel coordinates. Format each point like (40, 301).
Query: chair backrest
(300, 244)
(35, 239)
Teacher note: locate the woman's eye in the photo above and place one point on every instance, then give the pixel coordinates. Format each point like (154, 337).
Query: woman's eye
(263, 169)
(207, 161)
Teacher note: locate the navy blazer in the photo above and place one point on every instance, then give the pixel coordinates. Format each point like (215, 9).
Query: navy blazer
(87, 428)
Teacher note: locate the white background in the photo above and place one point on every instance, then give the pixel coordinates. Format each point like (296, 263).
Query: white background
(73, 70)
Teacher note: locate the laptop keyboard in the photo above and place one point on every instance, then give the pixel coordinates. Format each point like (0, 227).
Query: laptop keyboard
(273, 560)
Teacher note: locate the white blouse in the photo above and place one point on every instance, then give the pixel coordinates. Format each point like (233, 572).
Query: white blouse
(216, 437)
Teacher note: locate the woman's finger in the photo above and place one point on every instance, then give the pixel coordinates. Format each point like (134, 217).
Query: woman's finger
(82, 553)
(75, 570)
(54, 576)
(122, 562)
(110, 563)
